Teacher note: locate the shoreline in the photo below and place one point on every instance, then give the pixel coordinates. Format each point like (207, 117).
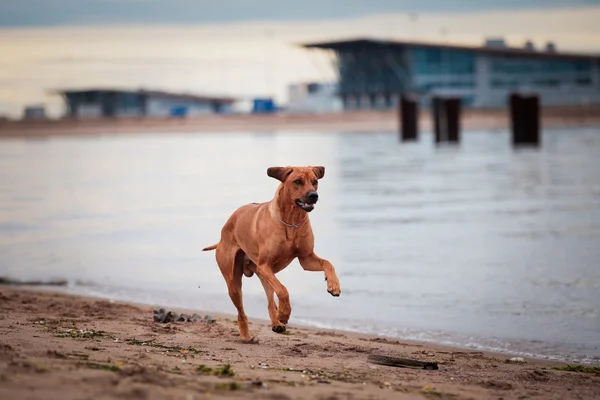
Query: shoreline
(314, 325)
(61, 345)
(265, 321)
(349, 121)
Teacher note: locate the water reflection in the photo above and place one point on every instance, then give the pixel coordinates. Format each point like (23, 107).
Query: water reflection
(479, 244)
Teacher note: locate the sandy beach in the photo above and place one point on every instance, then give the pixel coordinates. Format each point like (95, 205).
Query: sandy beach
(354, 121)
(57, 346)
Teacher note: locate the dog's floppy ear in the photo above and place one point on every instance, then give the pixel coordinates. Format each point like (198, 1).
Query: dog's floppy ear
(319, 172)
(279, 173)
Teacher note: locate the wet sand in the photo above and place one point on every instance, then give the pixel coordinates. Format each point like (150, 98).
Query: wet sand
(56, 346)
(356, 121)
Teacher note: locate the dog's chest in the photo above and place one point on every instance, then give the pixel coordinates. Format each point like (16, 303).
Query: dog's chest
(285, 254)
(294, 246)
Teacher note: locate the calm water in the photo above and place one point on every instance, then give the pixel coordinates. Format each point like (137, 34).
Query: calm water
(477, 245)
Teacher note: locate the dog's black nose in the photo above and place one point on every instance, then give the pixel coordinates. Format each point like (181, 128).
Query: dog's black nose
(313, 196)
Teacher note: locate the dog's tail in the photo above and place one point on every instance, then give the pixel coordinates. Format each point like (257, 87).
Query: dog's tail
(209, 248)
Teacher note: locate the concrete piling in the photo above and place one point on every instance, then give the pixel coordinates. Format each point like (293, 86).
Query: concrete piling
(408, 109)
(446, 115)
(525, 119)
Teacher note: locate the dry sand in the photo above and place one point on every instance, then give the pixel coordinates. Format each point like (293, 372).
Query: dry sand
(56, 346)
(357, 121)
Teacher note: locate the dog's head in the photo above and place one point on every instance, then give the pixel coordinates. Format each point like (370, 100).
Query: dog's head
(299, 184)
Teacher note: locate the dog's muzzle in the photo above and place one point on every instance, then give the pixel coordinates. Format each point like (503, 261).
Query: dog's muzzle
(308, 204)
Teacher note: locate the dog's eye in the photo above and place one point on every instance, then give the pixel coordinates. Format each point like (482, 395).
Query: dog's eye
(315, 183)
(298, 182)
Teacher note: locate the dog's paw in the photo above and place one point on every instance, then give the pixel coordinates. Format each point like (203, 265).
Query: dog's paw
(252, 340)
(283, 317)
(278, 328)
(333, 288)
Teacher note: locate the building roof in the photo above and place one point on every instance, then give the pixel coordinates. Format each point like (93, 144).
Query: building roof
(152, 93)
(509, 51)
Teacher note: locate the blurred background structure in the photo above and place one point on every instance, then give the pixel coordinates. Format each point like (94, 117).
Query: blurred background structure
(373, 73)
(97, 103)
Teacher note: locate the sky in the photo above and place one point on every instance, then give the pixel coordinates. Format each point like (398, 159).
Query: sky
(23, 13)
(246, 50)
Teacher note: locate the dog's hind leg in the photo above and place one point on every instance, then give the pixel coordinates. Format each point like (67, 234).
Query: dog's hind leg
(277, 326)
(231, 264)
(284, 310)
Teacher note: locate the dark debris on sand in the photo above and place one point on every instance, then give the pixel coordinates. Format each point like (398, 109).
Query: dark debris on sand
(163, 316)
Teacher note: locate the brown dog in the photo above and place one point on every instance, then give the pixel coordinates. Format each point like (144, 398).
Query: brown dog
(265, 238)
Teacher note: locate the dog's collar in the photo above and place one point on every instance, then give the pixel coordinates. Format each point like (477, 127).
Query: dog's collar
(295, 226)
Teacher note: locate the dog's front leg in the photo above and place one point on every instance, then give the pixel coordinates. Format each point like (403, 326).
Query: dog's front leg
(312, 262)
(266, 275)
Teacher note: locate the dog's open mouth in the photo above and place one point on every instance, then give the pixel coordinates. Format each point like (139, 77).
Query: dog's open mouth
(308, 207)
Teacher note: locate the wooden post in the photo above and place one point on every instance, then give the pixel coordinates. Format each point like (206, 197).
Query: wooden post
(453, 119)
(409, 118)
(525, 119)
(436, 111)
(446, 114)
